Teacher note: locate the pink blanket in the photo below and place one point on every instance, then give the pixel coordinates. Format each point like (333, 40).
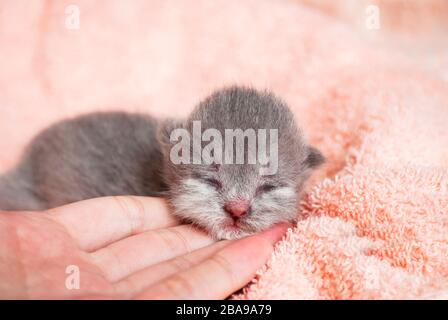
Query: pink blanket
(374, 221)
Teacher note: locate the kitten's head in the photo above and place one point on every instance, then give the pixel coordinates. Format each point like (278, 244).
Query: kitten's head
(232, 200)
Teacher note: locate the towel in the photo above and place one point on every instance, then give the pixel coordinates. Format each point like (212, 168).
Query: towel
(378, 228)
(371, 94)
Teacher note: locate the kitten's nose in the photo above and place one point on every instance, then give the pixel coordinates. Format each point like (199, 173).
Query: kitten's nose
(237, 208)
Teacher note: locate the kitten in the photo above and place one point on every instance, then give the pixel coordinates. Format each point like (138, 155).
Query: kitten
(105, 154)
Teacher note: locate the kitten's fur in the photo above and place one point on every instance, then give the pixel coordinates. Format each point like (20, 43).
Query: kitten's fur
(115, 153)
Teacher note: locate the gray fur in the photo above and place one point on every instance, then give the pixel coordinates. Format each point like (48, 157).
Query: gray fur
(197, 200)
(105, 154)
(101, 154)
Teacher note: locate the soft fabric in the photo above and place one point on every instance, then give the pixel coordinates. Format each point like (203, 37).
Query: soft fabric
(374, 219)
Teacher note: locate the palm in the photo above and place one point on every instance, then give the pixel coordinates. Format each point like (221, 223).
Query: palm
(44, 252)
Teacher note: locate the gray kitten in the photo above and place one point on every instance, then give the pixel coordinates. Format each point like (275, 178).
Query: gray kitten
(106, 154)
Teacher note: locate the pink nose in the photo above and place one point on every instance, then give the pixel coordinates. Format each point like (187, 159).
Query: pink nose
(237, 208)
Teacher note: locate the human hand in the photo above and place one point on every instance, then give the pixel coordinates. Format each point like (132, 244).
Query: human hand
(123, 247)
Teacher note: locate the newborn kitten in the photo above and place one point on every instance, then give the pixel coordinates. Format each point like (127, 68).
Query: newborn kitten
(105, 154)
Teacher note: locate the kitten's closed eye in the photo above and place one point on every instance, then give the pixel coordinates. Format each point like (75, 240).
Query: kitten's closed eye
(265, 188)
(213, 182)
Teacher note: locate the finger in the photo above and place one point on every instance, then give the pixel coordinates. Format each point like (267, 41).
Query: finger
(223, 273)
(129, 255)
(137, 282)
(97, 222)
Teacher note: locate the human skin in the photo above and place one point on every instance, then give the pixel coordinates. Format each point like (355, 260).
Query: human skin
(125, 248)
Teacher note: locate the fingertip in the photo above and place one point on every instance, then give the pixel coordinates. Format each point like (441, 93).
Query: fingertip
(276, 232)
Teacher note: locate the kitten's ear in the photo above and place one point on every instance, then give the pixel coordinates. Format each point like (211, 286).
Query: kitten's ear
(165, 128)
(314, 158)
